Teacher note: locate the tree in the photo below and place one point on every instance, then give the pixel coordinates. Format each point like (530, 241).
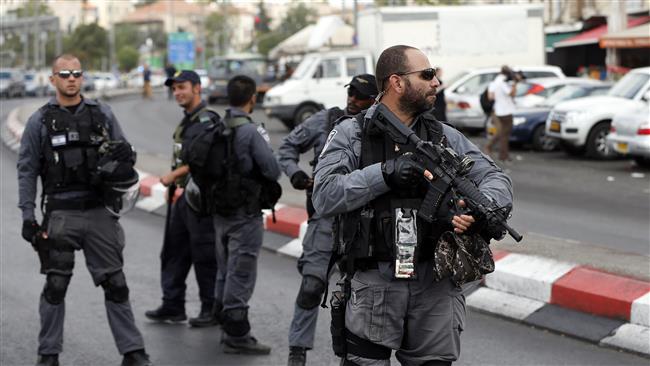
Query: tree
(298, 17)
(128, 58)
(217, 26)
(32, 8)
(89, 42)
(262, 19)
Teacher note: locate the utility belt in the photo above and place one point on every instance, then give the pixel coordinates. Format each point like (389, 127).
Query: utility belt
(82, 204)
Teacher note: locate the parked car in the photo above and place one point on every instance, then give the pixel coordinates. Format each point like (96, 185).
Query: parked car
(533, 92)
(12, 83)
(463, 92)
(205, 80)
(582, 125)
(36, 83)
(222, 68)
(529, 124)
(630, 133)
(103, 81)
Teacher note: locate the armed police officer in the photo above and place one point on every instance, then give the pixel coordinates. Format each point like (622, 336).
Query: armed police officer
(77, 147)
(396, 300)
(238, 218)
(189, 237)
(317, 244)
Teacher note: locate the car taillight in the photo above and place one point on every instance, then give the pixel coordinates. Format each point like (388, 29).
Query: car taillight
(612, 129)
(464, 105)
(643, 130)
(535, 89)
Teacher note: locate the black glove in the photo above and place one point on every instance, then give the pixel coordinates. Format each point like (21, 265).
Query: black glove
(300, 180)
(121, 151)
(30, 229)
(402, 171)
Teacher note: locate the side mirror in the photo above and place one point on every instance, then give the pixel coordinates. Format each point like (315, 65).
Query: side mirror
(646, 96)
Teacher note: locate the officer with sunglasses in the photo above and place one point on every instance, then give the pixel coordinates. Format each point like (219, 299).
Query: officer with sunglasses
(317, 244)
(61, 143)
(394, 301)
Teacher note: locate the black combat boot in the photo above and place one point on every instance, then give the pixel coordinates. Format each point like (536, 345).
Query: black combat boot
(166, 314)
(297, 356)
(136, 358)
(48, 360)
(245, 346)
(207, 317)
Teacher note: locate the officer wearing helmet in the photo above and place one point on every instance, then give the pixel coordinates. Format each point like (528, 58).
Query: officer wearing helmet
(189, 237)
(317, 244)
(78, 149)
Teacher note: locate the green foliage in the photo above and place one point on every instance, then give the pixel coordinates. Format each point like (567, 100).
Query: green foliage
(416, 2)
(298, 17)
(127, 58)
(218, 26)
(89, 42)
(32, 8)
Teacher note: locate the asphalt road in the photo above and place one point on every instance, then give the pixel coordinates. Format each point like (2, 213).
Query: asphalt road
(486, 341)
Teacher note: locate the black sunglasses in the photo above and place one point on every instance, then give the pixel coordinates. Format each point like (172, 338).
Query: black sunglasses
(353, 92)
(426, 74)
(64, 74)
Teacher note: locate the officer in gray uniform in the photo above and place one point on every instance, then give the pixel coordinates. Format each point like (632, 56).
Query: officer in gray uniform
(317, 244)
(189, 237)
(239, 228)
(61, 143)
(363, 172)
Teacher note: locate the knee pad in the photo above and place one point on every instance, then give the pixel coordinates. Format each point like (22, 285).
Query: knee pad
(115, 288)
(55, 288)
(235, 322)
(311, 292)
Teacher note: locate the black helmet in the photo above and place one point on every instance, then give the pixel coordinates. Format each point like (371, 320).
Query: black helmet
(194, 198)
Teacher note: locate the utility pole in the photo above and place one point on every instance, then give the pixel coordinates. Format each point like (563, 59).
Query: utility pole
(616, 21)
(356, 22)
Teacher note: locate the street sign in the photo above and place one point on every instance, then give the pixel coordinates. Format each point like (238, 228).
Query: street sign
(180, 50)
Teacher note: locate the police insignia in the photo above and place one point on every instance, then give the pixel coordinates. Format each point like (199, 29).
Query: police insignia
(330, 137)
(265, 135)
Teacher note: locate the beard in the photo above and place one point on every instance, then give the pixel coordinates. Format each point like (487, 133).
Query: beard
(414, 101)
(69, 93)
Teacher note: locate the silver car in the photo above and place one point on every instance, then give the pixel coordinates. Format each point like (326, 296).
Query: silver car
(630, 133)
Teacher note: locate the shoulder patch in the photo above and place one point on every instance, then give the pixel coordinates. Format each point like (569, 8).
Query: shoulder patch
(265, 135)
(330, 137)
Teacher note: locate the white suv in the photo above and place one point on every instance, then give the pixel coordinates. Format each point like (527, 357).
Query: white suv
(463, 92)
(582, 124)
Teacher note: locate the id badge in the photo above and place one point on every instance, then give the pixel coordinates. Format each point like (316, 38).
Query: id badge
(406, 242)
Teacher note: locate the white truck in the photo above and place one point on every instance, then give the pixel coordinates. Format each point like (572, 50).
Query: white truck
(454, 38)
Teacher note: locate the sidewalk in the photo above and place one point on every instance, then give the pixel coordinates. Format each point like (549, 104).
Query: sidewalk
(577, 297)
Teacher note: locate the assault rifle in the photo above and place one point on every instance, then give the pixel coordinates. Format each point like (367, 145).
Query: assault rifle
(443, 168)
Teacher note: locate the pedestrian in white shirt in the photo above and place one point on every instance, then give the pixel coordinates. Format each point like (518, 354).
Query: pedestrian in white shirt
(502, 91)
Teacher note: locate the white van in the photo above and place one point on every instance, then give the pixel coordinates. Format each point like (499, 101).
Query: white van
(318, 82)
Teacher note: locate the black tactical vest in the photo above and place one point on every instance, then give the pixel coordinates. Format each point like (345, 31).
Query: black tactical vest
(379, 214)
(70, 153)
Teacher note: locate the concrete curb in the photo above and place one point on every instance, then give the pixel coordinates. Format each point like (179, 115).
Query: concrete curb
(582, 302)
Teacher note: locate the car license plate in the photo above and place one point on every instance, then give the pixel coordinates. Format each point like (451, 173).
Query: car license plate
(492, 131)
(555, 126)
(622, 147)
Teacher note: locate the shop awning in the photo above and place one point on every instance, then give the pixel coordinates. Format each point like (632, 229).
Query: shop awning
(635, 37)
(592, 36)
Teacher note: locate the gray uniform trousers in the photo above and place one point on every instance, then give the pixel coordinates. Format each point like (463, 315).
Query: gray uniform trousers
(421, 319)
(316, 253)
(100, 236)
(238, 242)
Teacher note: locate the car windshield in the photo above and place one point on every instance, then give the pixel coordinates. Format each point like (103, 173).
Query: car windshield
(565, 93)
(224, 69)
(303, 68)
(5, 75)
(456, 78)
(629, 85)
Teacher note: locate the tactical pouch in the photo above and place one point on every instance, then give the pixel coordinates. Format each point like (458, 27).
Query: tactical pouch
(406, 243)
(463, 258)
(337, 326)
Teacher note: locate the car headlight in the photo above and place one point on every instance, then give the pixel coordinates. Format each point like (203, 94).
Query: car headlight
(518, 121)
(573, 116)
